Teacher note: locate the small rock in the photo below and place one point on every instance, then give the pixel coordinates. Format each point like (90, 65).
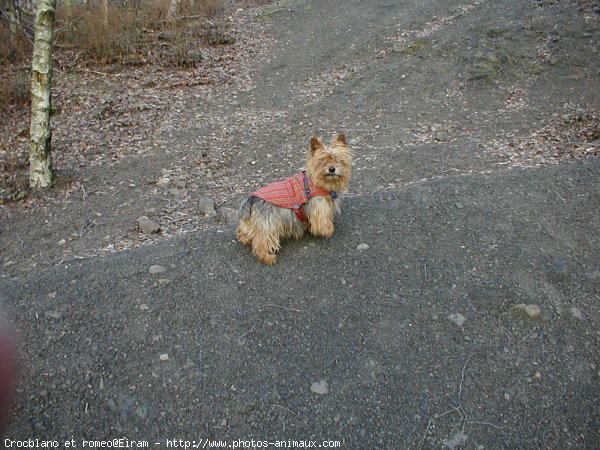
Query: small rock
(576, 312)
(526, 311)
(164, 281)
(533, 311)
(456, 441)
(206, 206)
(157, 269)
(320, 387)
(457, 318)
(148, 226)
(593, 276)
(362, 246)
(163, 182)
(180, 183)
(227, 215)
(141, 412)
(164, 357)
(149, 211)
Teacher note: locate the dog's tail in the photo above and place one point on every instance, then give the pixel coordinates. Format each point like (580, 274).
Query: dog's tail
(245, 210)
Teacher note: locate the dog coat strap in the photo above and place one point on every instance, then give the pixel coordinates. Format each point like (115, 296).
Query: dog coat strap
(306, 186)
(310, 193)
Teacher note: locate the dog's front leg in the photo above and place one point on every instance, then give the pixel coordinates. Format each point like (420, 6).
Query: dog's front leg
(320, 216)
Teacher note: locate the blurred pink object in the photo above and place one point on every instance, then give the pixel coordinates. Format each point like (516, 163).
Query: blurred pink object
(8, 370)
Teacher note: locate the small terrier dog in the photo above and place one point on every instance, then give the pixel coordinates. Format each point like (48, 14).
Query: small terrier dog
(301, 203)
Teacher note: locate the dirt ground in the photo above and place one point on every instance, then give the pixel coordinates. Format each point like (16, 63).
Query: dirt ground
(476, 128)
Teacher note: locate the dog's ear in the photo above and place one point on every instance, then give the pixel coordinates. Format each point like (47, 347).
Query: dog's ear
(341, 138)
(315, 145)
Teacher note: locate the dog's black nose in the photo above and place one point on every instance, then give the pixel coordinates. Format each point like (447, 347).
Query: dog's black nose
(332, 170)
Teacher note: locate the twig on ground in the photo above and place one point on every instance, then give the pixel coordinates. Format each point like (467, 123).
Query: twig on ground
(247, 333)
(457, 409)
(270, 305)
(285, 409)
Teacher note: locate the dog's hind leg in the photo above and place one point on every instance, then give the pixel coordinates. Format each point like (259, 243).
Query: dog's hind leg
(243, 233)
(264, 247)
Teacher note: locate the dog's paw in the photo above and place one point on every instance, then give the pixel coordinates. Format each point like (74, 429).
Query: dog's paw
(268, 259)
(325, 231)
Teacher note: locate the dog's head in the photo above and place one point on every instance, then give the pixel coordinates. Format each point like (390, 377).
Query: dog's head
(330, 166)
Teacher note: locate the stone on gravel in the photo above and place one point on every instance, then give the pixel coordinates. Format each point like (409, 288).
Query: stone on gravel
(362, 246)
(457, 318)
(530, 311)
(206, 206)
(227, 215)
(163, 182)
(180, 183)
(164, 357)
(576, 312)
(593, 276)
(320, 387)
(456, 441)
(157, 269)
(148, 226)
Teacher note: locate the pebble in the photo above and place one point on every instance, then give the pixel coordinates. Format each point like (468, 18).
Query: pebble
(206, 206)
(576, 312)
(141, 412)
(457, 318)
(164, 357)
(227, 215)
(163, 182)
(320, 387)
(533, 311)
(157, 269)
(530, 311)
(164, 281)
(593, 276)
(148, 226)
(362, 246)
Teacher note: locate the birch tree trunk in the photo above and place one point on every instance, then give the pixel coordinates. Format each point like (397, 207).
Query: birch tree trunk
(105, 13)
(40, 160)
(174, 7)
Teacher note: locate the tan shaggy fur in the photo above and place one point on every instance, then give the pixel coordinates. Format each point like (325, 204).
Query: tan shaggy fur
(263, 225)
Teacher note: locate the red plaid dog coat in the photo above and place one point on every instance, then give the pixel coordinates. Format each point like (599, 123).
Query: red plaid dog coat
(292, 193)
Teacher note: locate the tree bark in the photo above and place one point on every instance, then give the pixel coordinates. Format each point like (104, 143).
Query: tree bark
(40, 159)
(174, 8)
(15, 21)
(105, 13)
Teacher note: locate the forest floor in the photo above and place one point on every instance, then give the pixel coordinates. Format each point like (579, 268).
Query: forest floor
(476, 127)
